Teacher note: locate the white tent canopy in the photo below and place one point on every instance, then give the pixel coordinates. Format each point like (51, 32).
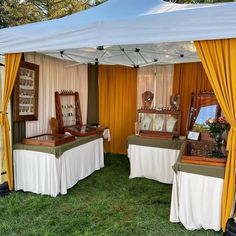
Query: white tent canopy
(131, 32)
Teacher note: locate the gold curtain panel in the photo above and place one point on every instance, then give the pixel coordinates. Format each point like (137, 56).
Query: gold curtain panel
(117, 104)
(218, 58)
(189, 78)
(11, 69)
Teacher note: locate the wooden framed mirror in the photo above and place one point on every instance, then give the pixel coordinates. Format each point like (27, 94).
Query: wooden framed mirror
(203, 106)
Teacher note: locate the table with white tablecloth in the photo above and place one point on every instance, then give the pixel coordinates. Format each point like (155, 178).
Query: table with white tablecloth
(196, 196)
(153, 158)
(50, 171)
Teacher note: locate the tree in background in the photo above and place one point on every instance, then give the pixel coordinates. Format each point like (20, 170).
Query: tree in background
(201, 1)
(58, 8)
(18, 12)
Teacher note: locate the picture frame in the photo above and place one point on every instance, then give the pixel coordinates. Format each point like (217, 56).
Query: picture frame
(25, 93)
(192, 135)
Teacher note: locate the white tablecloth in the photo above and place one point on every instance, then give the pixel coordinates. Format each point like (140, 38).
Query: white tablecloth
(43, 173)
(196, 201)
(152, 162)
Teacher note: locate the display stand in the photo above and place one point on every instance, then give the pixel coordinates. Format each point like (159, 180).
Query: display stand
(68, 114)
(161, 124)
(25, 98)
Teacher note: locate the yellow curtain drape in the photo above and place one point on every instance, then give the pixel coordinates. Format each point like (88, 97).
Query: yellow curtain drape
(189, 78)
(117, 104)
(219, 61)
(12, 62)
(3, 176)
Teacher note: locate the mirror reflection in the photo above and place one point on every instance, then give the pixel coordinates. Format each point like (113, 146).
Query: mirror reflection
(205, 113)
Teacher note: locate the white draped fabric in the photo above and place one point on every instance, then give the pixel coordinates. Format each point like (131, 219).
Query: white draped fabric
(157, 79)
(42, 173)
(54, 75)
(196, 201)
(152, 163)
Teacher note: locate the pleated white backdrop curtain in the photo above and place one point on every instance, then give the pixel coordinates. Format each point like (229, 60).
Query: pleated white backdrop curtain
(54, 75)
(157, 79)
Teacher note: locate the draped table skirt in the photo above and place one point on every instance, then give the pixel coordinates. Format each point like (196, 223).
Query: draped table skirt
(152, 162)
(196, 201)
(43, 173)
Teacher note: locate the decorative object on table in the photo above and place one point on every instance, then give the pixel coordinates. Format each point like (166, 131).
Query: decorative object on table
(68, 111)
(216, 128)
(147, 98)
(136, 128)
(54, 125)
(175, 102)
(25, 98)
(199, 152)
(171, 124)
(193, 135)
(146, 122)
(160, 124)
(84, 130)
(50, 140)
(202, 107)
(69, 117)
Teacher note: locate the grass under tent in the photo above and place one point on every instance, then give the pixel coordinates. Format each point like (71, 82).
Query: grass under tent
(105, 203)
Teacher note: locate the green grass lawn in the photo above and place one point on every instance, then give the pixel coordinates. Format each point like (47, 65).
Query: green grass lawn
(105, 203)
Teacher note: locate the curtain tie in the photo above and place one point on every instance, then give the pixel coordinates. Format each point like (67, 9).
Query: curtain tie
(3, 119)
(231, 137)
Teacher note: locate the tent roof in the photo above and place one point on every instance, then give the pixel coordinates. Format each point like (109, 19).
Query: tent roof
(118, 22)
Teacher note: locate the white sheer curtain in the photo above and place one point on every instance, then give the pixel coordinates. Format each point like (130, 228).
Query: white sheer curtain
(157, 79)
(55, 76)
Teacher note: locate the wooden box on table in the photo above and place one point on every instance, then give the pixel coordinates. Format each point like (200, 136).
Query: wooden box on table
(200, 152)
(49, 140)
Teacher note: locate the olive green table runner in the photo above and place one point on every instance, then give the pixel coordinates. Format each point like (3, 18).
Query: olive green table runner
(206, 170)
(213, 171)
(58, 150)
(159, 143)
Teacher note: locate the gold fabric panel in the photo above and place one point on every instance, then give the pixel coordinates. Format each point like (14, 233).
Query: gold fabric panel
(188, 78)
(218, 58)
(117, 104)
(11, 69)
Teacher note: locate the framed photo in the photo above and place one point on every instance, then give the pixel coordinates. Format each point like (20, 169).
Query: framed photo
(193, 135)
(25, 98)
